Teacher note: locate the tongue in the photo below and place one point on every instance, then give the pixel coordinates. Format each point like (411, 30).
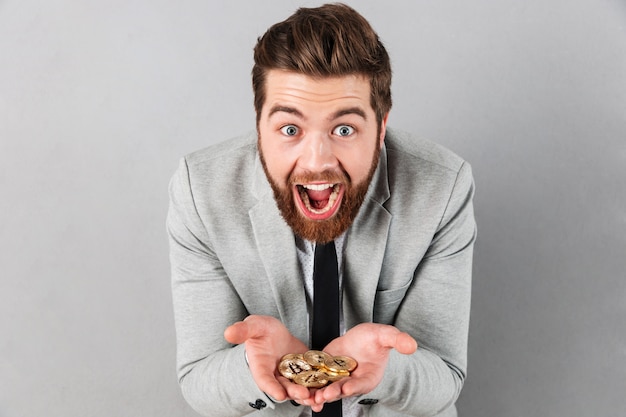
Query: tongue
(319, 199)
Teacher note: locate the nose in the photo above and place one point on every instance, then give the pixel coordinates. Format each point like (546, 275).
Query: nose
(317, 153)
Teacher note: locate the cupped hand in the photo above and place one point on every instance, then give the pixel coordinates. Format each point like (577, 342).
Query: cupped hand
(369, 344)
(267, 340)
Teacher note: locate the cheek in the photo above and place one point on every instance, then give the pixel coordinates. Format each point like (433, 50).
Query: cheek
(277, 162)
(358, 164)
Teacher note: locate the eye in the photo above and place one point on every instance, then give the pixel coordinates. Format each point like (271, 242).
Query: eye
(343, 130)
(289, 130)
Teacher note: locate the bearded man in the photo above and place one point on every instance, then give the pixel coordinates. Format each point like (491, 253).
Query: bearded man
(322, 174)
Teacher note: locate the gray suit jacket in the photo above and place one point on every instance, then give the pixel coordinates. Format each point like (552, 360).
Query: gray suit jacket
(407, 262)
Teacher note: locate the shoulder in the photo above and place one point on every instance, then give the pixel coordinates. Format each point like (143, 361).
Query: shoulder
(423, 166)
(220, 176)
(229, 153)
(406, 148)
(428, 185)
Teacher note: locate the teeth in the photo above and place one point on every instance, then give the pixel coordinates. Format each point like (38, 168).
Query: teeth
(317, 187)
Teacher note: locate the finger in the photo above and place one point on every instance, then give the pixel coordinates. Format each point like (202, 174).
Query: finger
(294, 391)
(317, 407)
(237, 333)
(330, 392)
(310, 402)
(268, 383)
(274, 389)
(358, 385)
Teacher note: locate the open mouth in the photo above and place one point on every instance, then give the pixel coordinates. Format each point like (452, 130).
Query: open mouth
(318, 201)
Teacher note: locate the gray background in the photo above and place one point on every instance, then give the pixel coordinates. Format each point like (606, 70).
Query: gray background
(99, 99)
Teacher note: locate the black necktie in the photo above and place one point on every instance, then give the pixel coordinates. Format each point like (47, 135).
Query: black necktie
(326, 307)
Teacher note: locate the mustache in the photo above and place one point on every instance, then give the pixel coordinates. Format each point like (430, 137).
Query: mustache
(329, 176)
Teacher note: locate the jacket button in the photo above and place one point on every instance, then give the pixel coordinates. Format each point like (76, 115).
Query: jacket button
(259, 404)
(368, 401)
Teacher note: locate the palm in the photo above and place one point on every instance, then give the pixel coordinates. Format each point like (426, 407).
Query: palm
(369, 344)
(267, 340)
(264, 352)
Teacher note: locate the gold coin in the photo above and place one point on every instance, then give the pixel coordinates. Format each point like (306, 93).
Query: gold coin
(316, 358)
(335, 376)
(340, 363)
(311, 379)
(291, 356)
(290, 368)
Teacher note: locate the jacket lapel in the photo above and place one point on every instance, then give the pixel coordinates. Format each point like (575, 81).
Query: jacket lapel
(365, 250)
(277, 249)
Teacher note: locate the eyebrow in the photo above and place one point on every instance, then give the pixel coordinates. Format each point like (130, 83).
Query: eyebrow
(342, 112)
(350, 110)
(285, 109)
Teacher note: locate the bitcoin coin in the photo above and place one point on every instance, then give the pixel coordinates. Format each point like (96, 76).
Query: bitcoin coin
(316, 358)
(290, 368)
(291, 356)
(315, 369)
(340, 363)
(335, 376)
(312, 379)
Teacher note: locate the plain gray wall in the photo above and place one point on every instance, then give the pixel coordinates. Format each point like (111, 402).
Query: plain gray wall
(99, 99)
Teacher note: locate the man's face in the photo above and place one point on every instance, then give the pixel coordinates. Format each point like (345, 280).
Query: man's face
(319, 142)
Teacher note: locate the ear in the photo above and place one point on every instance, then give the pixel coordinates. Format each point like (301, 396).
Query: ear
(383, 129)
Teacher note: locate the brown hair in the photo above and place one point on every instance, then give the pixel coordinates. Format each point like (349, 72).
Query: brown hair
(331, 40)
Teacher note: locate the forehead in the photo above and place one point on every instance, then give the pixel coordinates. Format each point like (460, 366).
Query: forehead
(292, 88)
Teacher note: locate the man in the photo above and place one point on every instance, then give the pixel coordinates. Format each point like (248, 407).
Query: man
(247, 217)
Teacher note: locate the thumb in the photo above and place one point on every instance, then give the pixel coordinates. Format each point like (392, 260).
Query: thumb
(393, 338)
(252, 327)
(237, 333)
(405, 343)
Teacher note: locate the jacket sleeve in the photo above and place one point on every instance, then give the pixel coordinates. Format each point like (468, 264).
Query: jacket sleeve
(205, 303)
(435, 311)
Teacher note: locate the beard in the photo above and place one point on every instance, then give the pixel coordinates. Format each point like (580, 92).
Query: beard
(321, 231)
